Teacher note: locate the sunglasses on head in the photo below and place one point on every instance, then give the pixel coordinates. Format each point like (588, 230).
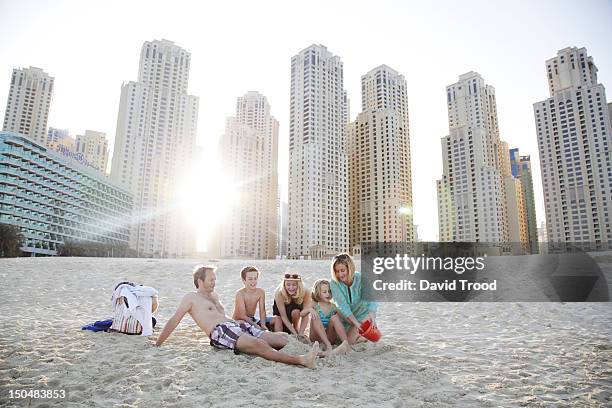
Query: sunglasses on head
(341, 256)
(292, 276)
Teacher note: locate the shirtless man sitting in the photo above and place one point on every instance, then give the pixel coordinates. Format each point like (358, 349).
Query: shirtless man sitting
(205, 309)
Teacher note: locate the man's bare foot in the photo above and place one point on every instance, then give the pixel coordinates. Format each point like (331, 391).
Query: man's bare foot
(310, 360)
(343, 348)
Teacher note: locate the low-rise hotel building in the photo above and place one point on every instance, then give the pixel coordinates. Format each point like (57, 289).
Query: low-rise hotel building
(54, 199)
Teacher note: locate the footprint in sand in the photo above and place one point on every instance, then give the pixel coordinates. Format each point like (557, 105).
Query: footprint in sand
(112, 378)
(78, 387)
(53, 383)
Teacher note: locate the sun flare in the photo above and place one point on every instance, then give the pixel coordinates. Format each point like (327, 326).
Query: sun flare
(206, 196)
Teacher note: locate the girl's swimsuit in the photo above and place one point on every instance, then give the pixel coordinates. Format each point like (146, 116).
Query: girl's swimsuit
(325, 317)
(289, 307)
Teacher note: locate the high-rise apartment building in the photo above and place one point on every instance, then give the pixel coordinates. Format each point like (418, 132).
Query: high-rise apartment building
(380, 181)
(249, 153)
(574, 137)
(542, 238)
(284, 228)
(521, 169)
(29, 100)
(515, 210)
(384, 88)
(94, 146)
(318, 199)
(154, 149)
(518, 233)
(472, 205)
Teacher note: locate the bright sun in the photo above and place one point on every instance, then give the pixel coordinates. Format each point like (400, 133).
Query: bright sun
(205, 197)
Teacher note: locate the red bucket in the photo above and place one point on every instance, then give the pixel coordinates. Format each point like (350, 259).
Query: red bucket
(369, 332)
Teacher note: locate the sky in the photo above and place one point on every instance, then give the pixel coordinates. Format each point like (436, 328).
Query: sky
(91, 48)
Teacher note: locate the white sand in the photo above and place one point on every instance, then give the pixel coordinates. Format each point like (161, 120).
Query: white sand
(431, 354)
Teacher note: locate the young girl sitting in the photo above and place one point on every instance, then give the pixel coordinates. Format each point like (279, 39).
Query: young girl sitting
(325, 323)
(289, 300)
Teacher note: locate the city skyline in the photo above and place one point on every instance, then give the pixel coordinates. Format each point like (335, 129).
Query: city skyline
(513, 61)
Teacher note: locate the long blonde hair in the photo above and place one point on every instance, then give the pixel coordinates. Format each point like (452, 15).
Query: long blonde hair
(346, 260)
(299, 296)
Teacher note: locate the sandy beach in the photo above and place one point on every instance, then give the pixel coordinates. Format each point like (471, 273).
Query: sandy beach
(431, 354)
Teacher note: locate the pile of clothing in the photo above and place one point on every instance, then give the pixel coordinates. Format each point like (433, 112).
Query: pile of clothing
(133, 307)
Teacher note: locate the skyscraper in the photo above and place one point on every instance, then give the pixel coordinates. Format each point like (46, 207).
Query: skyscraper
(514, 206)
(318, 201)
(284, 228)
(380, 181)
(154, 149)
(94, 147)
(574, 138)
(249, 152)
(29, 99)
(472, 205)
(521, 169)
(518, 233)
(542, 238)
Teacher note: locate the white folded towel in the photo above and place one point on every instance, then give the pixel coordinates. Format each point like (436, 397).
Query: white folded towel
(139, 301)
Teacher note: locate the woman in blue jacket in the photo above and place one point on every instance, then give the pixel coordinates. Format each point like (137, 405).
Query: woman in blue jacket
(346, 290)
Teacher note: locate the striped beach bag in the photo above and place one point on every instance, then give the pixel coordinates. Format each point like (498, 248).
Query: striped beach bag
(122, 323)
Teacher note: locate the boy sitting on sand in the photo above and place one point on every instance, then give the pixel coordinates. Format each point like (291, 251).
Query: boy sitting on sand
(206, 310)
(249, 298)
